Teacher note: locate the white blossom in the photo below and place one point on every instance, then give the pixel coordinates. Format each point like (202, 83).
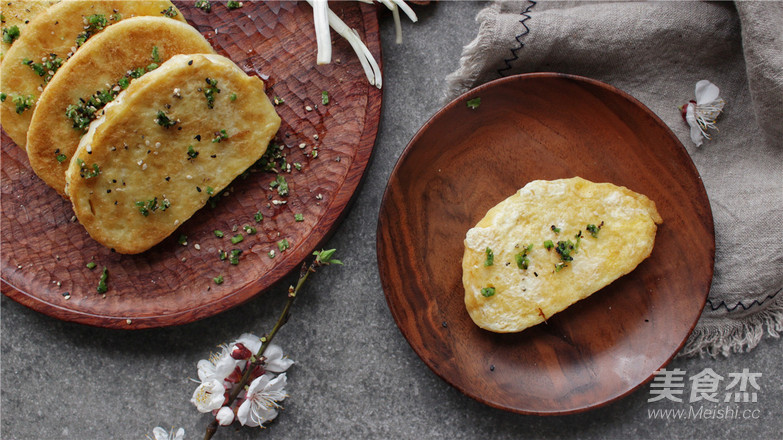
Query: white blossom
(209, 395)
(161, 434)
(219, 366)
(702, 113)
(275, 361)
(260, 405)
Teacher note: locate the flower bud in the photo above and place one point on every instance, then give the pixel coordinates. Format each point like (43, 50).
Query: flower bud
(225, 416)
(240, 352)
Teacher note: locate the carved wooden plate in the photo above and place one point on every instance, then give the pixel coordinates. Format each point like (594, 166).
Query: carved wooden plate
(44, 252)
(463, 162)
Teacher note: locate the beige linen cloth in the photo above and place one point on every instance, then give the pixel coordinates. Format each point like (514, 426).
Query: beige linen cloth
(657, 51)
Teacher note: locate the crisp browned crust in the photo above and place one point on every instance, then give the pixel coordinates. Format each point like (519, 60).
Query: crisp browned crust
(54, 31)
(138, 159)
(98, 65)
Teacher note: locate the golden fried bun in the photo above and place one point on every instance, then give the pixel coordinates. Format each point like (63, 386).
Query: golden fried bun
(47, 43)
(174, 137)
(18, 14)
(549, 245)
(99, 71)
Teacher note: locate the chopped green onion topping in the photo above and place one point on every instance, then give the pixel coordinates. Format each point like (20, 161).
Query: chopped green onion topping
(91, 265)
(222, 254)
(258, 217)
(555, 229)
(219, 233)
(283, 245)
(220, 136)
(237, 238)
(163, 120)
(210, 190)
(593, 229)
(549, 245)
(192, 153)
(474, 103)
(46, 68)
(298, 217)
(325, 97)
(486, 292)
(560, 266)
(490, 258)
(218, 279)
(183, 240)
(233, 4)
(155, 54)
(249, 229)
(565, 248)
(23, 102)
(2, 97)
(278, 100)
(210, 91)
(10, 34)
(170, 12)
(61, 157)
(232, 96)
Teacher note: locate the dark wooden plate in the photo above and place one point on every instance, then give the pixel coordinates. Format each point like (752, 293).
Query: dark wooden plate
(463, 162)
(44, 253)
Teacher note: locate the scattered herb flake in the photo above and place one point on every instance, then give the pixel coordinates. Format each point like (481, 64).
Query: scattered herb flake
(183, 240)
(204, 5)
(565, 248)
(155, 54)
(232, 96)
(192, 153)
(325, 97)
(474, 103)
(593, 229)
(555, 229)
(61, 158)
(102, 286)
(278, 100)
(549, 245)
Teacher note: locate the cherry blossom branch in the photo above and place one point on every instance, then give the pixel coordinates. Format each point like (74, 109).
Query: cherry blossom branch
(322, 258)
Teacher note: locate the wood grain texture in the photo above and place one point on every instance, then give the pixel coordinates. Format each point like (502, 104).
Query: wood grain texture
(463, 162)
(44, 253)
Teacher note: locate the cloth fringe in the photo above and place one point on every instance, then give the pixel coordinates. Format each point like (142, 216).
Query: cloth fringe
(739, 337)
(473, 56)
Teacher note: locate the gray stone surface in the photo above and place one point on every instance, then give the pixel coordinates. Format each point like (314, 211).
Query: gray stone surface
(356, 377)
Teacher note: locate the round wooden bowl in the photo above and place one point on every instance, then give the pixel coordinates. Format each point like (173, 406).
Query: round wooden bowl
(44, 252)
(463, 162)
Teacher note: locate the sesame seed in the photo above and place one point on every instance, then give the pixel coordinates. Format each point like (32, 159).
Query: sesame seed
(197, 246)
(308, 108)
(144, 167)
(302, 145)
